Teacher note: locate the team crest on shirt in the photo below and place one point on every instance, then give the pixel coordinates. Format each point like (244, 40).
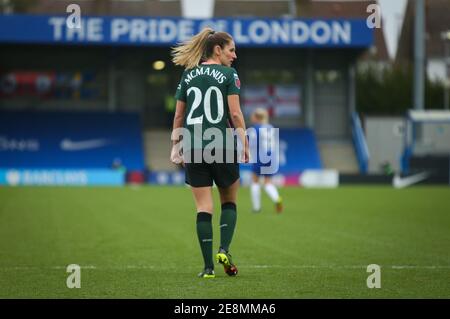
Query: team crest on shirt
(237, 81)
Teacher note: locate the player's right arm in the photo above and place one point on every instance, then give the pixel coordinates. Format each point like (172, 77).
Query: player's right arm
(175, 155)
(178, 121)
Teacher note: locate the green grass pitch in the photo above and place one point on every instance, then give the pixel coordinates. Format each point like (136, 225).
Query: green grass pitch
(141, 243)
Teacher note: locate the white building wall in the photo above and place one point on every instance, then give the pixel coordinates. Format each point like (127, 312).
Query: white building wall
(197, 9)
(385, 141)
(436, 70)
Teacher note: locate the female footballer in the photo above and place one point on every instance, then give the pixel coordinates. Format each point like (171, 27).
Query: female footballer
(208, 101)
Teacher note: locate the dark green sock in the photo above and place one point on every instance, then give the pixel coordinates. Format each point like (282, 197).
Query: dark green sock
(205, 237)
(227, 224)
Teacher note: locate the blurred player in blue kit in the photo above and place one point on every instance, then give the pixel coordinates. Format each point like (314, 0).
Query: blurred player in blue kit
(263, 142)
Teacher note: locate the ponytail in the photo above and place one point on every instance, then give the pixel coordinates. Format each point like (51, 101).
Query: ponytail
(190, 53)
(200, 47)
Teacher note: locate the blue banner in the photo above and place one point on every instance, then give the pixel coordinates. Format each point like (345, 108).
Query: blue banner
(166, 178)
(328, 33)
(71, 140)
(53, 177)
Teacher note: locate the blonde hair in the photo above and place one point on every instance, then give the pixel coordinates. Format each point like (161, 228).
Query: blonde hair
(261, 115)
(200, 47)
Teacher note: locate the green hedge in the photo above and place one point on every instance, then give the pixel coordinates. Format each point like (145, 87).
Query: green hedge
(390, 91)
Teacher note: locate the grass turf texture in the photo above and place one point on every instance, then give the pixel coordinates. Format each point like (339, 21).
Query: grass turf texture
(141, 243)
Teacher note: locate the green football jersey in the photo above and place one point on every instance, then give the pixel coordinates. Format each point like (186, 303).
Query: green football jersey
(205, 90)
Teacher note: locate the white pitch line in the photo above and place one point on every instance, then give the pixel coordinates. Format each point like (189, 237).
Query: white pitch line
(346, 266)
(124, 267)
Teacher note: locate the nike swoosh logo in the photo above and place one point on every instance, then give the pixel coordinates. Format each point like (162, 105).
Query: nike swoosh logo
(399, 182)
(71, 146)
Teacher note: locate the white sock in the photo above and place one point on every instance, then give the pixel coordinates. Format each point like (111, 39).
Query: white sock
(272, 191)
(255, 189)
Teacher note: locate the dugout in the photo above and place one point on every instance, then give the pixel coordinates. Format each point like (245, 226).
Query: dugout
(301, 69)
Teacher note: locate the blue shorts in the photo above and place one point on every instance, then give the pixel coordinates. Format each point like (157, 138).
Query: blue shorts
(256, 168)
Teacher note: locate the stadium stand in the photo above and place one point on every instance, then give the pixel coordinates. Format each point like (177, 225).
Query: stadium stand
(157, 146)
(70, 140)
(339, 155)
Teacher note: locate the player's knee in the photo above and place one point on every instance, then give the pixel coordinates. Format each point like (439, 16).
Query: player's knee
(208, 208)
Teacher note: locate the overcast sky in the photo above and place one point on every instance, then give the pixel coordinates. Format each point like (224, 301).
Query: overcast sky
(392, 12)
